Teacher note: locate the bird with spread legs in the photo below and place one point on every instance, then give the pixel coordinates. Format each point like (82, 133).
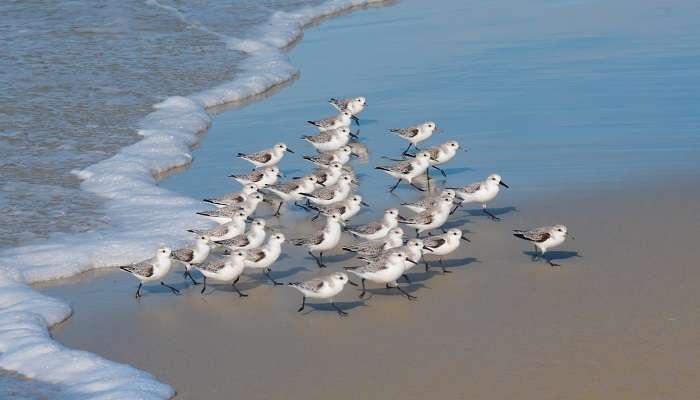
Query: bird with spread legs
(372, 248)
(340, 156)
(194, 255)
(291, 192)
(415, 134)
(432, 218)
(152, 270)
(544, 238)
(442, 245)
(254, 237)
(337, 121)
(233, 198)
(347, 209)
(267, 157)
(429, 201)
(227, 230)
(259, 177)
(226, 214)
(376, 230)
(225, 270)
(480, 192)
(330, 140)
(414, 250)
(326, 287)
(328, 175)
(408, 170)
(264, 256)
(442, 153)
(331, 194)
(355, 106)
(323, 240)
(387, 270)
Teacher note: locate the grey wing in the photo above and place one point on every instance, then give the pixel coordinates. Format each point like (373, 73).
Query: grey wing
(213, 266)
(143, 268)
(323, 137)
(433, 242)
(185, 255)
(324, 194)
(433, 151)
(261, 156)
(237, 241)
(406, 132)
(286, 187)
(403, 167)
(313, 285)
(255, 255)
(310, 240)
(423, 218)
(341, 104)
(471, 188)
(534, 235)
(369, 228)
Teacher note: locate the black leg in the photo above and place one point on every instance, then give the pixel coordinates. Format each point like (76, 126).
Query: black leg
(138, 291)
(189, 275)
(406, 278)
(340, 312)
(303, 304)
(493, 217)
(537, 253)
(363, 289)
(318, 262)
(427, 178)
(417, 187)
(408, 148)
(240, 294)
(427, 267)
(458, 205)
(267, 274)
(357, 120)
(205, 285)
(172, 289)
(320, 257)
(551, 264)
(395, 186)
(315, 217)
(279, 207)
(303, 207)
(444, 271)
(442, 171)
(408, 296)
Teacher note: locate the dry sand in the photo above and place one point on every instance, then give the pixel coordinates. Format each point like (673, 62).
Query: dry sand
(618, 320)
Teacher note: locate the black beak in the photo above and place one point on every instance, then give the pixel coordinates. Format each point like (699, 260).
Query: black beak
(466, 240)
(249, 219)
(352, 283)
(321, 184)
(427, 248)
(267, 201)
(411, 261)
(570, 236)
(290, 151)
(503, 184)
(364, 204)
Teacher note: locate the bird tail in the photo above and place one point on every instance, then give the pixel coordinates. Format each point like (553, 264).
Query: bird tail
(352, 268)
(195, 231)
(241, 155)
(308, 195)
(213, 201)
(519, 234)
(297, 242)
(127, 268)
(383, 168)
(312, 123)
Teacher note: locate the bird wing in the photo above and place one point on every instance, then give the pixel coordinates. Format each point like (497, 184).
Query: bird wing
(143, 268)
(255, 255)
(406, 132)
(261, 156)
(471, 188)
(369, 228)
(433, 242)
(323, 137)
(185, 255)
(534, 235)
(313, 285)
(237, 241)
(213, 266)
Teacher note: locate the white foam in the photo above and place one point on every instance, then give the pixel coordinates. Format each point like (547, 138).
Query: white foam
(142, 217)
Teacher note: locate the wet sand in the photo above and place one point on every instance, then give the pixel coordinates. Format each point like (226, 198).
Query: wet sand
(617, 320)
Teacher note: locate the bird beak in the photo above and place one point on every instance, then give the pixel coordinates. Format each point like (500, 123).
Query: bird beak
(319, 183)
(352, 283)
(437, 130)
(570, 236)
(289, 150)
(465, 150)
(411, 261)
(364, 203)
(504, 185)
(267, 201)
(466, 240)
(427, 248)
(249, 219)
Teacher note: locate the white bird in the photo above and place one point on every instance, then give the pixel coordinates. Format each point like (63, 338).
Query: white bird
(376, 230)
(255, 237)
(194, 255)
(385, 270)
(432, 218)
(347, 209)
(414, 251)
(480, 192)
(233, 198)
(331, 194)
(267, 157)
(340, 156)
(328, 175)
(337, 121)
(260, 178)
(226, 214)
(429, 201)
(152, 270)
(442, 245)
(544, 238)
(329, 140)
(326, 287)
(226, 270)
(227, 230)
(323, 240)
(442, 153)
(415, 134)
(263, 257)
(355, 106)
(408, 170)
(289, 192)
(372, 248)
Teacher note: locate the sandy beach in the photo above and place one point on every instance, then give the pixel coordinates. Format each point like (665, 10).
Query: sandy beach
(617, 320)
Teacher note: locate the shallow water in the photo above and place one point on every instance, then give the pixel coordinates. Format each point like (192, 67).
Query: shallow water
(78, 78)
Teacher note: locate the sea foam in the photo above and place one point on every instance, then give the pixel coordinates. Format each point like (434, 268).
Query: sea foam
(141, 216)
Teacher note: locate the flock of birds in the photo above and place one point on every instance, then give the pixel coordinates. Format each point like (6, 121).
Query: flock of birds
(223, 253)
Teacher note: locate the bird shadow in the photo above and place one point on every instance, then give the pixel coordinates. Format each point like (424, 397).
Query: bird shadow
(343, 305)
(435, 267)
(554, 255)
(478, 212)
(383, 291)
(457, 170)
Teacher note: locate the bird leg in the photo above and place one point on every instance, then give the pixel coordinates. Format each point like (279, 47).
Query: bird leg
(204, 287)
(427, 177)
(188, 274)
(419, 188)
(363, 289)
(318, 262)
(341, 313)
(138, 291)
(551, 264)
(536, 255)
(444, 271)
(267, 274)
(442, 171)
(458, 205)
(240, 294)
(315, 217)
(303, 304)
(405, 152)
(487, 212)
(172, 289)
(395, 185)
(406, 278)
(277, 212)
(357, 120)
(408, 296)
